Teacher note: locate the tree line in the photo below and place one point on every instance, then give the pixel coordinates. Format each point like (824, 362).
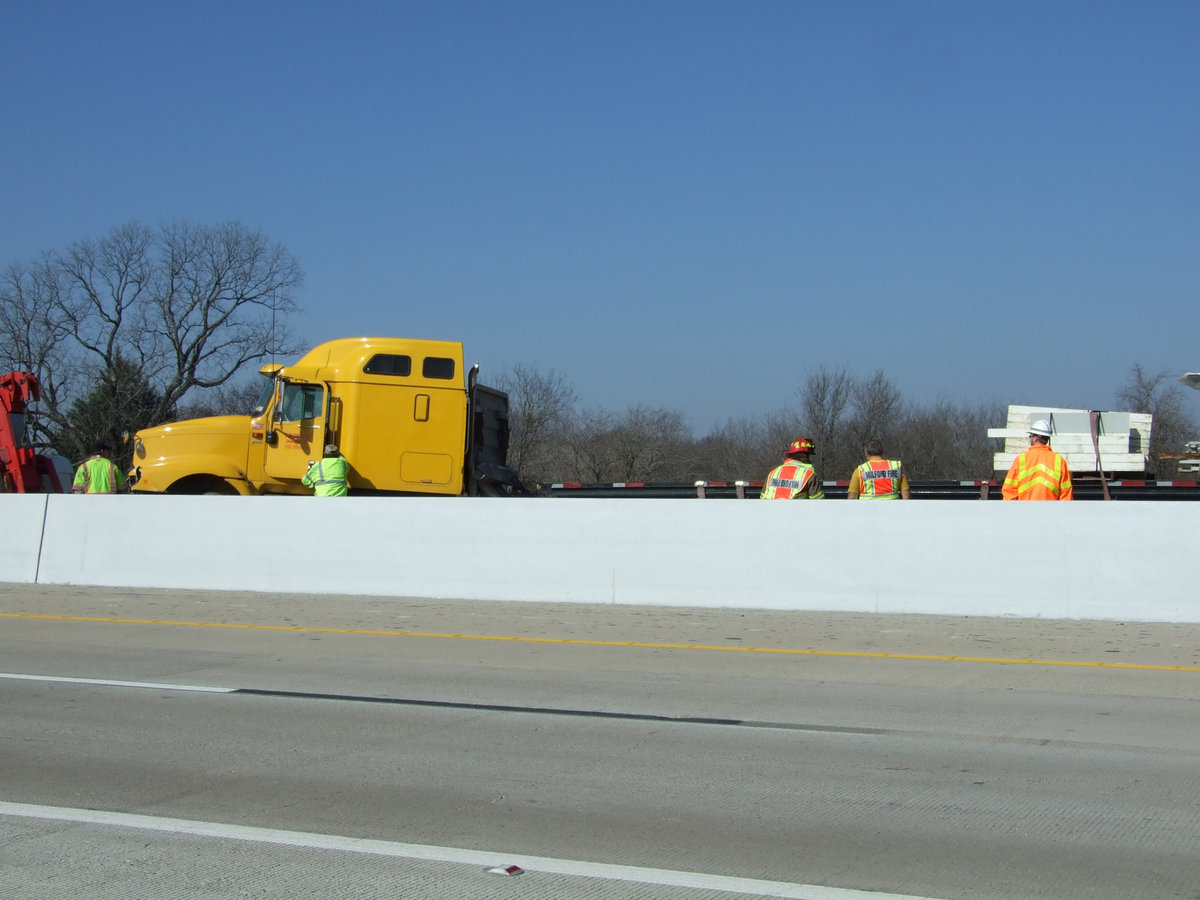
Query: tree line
(145, 326)
(553, 440)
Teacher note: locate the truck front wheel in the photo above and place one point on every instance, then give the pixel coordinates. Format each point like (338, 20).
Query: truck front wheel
(202, 484)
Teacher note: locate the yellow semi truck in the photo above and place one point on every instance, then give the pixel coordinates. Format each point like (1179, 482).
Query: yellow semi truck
(406, 415)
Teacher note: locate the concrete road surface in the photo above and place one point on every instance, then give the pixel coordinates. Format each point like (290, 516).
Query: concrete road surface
(225, 745)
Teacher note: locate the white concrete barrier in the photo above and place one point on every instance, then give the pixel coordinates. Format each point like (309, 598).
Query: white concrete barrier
(22, 517)
(1069, 560)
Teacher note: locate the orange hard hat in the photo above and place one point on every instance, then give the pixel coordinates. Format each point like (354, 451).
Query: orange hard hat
(800, 445)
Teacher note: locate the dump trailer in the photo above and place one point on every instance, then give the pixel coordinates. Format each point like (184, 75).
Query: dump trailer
(404, 413)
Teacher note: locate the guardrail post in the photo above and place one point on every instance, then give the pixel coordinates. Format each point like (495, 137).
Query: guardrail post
(739, 488)
(700, 485)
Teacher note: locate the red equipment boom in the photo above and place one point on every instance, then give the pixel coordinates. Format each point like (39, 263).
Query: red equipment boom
(22, 470)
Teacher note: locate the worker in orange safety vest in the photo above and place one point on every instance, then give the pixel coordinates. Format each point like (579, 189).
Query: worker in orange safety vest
(795, 478)
(878, 478)
(1039, 473)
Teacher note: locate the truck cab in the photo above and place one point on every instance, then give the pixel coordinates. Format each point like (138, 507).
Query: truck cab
(403, 412)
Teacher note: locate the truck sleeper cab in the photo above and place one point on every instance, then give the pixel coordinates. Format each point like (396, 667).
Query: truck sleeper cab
(398, 409)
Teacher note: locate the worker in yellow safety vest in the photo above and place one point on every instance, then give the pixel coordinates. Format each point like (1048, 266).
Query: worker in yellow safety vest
(327, 477)
(878, 478)
(1039, 473)
(795, 478)
(98, 474)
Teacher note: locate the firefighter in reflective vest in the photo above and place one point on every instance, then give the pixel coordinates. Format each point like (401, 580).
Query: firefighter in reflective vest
(795, 478)
(878, 478)
(1039, 473)
(98, 474)
(327, 477)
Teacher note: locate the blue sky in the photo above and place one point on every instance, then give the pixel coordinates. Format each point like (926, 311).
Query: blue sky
(679, 203)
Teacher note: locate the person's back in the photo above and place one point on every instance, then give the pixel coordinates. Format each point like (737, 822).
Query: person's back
(1039, 473)
(99, 474)
(794, 478)
(328, 477)
(878, 478)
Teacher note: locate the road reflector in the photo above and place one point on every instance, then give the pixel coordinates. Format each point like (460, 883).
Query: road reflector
(506, 870)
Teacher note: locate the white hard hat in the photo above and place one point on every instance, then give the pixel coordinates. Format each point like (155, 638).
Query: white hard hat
(1041, 426)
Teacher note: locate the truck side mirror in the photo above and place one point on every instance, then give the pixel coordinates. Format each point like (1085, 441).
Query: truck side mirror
(335, 415)
(271, 437)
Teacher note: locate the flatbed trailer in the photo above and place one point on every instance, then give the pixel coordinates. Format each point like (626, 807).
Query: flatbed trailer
(836, 490)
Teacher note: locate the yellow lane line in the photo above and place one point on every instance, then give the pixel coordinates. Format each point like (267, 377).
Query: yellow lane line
(857, 654)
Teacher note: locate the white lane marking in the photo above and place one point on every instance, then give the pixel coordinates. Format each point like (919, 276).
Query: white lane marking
(134, 684)
(484, 859)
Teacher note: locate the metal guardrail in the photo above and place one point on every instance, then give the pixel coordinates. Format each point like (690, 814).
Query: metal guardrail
(836, 490)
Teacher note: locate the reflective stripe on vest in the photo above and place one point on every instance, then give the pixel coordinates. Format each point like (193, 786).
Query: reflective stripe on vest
(321, 479)
(880, 479)
(331, 483)
(104, 464)
(1038, 481)
(786, 481)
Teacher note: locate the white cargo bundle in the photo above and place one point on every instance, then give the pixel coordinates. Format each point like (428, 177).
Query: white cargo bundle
(1123, 438)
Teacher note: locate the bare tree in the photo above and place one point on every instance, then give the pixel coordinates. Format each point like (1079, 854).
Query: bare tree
(186, 307)
(35, 336)
(652, 445)
(971, 452)
(1171, 426)
(230, 399)
(541, 405)
(944, 442)
(877, 409)
(824, 398)
(742, 449)
(642, 445)
(585, 447)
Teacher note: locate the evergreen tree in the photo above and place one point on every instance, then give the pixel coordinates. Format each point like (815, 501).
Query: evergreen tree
(121, 403)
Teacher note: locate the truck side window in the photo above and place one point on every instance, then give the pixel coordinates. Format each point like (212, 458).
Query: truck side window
(437, 367)
(301, 401)
(389, 364)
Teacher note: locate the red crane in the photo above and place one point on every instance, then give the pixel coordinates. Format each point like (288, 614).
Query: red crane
(22, 470)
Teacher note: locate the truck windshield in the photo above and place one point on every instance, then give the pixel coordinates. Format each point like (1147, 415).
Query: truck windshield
(260, 405)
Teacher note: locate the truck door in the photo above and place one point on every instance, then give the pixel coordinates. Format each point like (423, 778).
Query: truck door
(297, 430)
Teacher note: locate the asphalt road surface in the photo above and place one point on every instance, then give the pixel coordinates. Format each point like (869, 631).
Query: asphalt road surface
(179, 744)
